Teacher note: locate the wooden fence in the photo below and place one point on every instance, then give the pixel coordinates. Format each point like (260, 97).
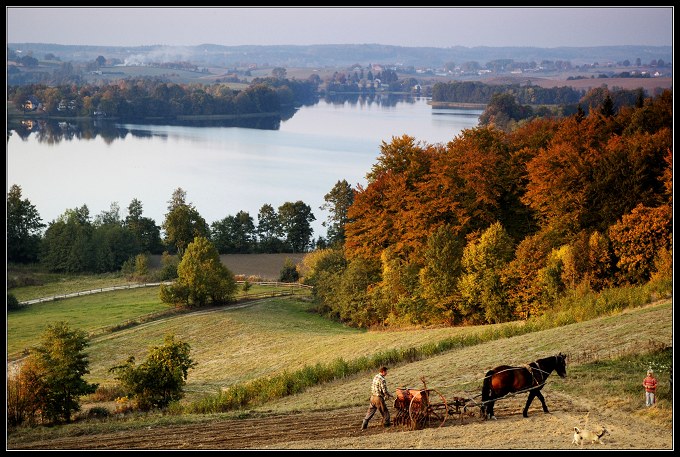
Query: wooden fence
(293, 287)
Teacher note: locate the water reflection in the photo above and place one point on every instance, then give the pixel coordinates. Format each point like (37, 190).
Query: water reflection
(51, 131)
(386, 100)
(224, 170)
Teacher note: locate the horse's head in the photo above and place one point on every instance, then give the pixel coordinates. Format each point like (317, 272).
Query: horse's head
(561, 365)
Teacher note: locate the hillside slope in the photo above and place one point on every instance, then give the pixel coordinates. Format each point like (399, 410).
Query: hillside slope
(328, 416)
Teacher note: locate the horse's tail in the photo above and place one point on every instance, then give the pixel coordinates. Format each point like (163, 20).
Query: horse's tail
(486, 386)
(486, 391)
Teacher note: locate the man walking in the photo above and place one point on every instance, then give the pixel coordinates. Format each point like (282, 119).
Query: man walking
(379, 393)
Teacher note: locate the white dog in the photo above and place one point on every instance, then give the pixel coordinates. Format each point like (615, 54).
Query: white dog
(586, 435)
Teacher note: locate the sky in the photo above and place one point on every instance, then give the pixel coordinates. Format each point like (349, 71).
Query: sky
(401, 26)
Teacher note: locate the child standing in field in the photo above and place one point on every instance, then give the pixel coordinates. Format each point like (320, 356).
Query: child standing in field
(649, 384)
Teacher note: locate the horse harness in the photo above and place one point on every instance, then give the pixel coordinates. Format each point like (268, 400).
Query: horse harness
(532, 368)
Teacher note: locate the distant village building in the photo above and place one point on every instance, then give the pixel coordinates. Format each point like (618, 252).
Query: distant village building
(31, 103)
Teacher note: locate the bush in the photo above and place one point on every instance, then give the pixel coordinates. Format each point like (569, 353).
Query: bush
(289, 272)
(98, 412)
(160, 379)
(12, 303)
(169, 265)
(106, 393)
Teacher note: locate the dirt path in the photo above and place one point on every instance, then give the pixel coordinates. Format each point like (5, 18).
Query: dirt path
(339, 429)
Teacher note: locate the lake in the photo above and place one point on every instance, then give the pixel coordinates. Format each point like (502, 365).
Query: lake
(223, 170)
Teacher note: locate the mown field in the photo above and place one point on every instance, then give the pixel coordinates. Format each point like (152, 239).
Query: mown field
(257, 339)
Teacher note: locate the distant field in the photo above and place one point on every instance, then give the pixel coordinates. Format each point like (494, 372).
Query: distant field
(176, 76)
(266, 266)
(648, 84)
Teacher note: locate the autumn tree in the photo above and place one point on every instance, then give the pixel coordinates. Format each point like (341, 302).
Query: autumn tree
(55, 370)
(638, 237)
(392, 210)
(440, 272)
(320, 261)
(479, 169)
(484, 296)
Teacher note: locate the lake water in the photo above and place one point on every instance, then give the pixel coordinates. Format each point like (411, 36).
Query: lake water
(222, 169)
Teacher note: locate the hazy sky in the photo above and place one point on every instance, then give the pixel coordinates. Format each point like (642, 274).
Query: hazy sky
(405, 26)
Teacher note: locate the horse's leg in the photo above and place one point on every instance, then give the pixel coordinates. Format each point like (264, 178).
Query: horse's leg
(539, 395)
(489, 411)
(532, 394)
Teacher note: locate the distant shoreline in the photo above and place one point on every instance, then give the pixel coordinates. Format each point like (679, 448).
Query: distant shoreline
(186, 117)
(457, 105)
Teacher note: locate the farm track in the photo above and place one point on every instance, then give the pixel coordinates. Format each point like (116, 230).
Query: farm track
(224, 434)
(339, 429)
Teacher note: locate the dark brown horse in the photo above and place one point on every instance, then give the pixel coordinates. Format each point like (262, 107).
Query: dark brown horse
(531, 378)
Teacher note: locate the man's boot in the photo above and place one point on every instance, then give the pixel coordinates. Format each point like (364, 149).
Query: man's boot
(364, 424)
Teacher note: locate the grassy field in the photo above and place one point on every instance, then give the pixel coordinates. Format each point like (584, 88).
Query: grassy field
(235, 344)
(607, 357)
(96, 313)
(238, 344)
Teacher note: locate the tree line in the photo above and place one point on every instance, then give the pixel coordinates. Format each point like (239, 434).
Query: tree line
(565, 96)
(498, 225)
(77, 243)
(153, 98)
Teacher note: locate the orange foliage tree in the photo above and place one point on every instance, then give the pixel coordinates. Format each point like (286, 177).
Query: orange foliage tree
(637, 239)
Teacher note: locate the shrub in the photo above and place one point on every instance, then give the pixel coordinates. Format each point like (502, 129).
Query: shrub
(288, 272)
(159, 380)
(98, 412)
(12, 303)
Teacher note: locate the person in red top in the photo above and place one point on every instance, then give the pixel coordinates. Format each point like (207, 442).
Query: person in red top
(649, 384)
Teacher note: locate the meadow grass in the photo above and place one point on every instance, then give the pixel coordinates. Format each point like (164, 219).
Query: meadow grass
(233, 345)
(100, 312)
(42, 284)
(276, 348)
(607, 382)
